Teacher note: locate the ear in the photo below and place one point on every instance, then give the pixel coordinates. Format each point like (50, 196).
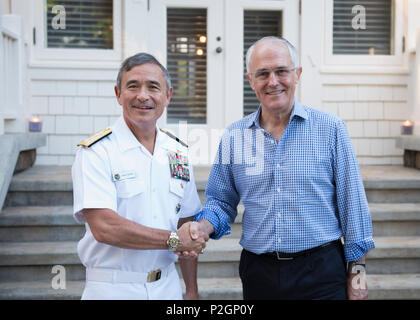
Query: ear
(250, 80)
(169, 96)
(298, 73)
(117, 94)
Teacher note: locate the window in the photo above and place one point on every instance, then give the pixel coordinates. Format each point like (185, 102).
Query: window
(187, 64)
(84, 24)
(257, 24)
(363, 27)
(78, 31)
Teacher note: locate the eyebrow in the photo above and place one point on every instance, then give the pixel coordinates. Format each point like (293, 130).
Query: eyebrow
(268, 69)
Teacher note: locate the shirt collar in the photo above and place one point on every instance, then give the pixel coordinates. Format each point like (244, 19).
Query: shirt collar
(125, 137)
(298, 110)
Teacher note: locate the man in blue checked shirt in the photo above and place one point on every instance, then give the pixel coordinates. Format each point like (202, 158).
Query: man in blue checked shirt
(295, 171)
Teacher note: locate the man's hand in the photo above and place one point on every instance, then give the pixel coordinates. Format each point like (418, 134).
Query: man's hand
(192, 240)
(357, 284)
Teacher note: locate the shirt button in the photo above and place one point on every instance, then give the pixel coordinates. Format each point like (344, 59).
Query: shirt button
(279, 240)
(278, 190)
(272, 142)
(278, 165)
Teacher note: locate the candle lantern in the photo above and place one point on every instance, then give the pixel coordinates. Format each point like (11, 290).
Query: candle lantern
(35, 125)
(407, 127)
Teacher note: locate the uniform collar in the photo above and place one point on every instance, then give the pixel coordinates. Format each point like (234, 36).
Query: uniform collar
(298, 110)
(125, 137)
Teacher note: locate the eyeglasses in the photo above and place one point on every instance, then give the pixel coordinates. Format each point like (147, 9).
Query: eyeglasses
(264, 74)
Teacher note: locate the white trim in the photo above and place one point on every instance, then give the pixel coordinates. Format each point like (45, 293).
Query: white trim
(347, 63)
(41, 54)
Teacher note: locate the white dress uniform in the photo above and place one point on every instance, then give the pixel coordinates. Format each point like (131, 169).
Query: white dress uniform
(119, 173)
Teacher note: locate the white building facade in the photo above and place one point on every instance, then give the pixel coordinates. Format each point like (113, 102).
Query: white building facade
(358, 57)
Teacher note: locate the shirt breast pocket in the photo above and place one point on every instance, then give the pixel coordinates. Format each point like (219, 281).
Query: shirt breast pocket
(177, 186)
(129, 188)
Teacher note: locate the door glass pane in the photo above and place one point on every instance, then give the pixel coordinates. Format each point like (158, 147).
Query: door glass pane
(257, 24)
(187, 64)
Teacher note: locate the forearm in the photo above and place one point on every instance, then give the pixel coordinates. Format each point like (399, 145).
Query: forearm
(189, 274)
(110, 228)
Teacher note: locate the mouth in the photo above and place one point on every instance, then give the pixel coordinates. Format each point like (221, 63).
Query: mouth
(275, 92)
(142, 107)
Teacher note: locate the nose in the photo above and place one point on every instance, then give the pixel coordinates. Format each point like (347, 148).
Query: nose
(272, 79)
(142, 95)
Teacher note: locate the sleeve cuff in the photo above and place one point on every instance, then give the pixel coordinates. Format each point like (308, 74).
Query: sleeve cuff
(220, 228)
(355, 250)
(78, 213)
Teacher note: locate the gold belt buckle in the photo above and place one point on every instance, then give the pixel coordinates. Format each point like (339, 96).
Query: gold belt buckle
(154, 275)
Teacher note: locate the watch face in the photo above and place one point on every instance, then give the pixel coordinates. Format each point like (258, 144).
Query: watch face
(173, 243)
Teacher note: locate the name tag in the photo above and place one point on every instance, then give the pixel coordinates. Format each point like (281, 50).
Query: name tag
(124, 175)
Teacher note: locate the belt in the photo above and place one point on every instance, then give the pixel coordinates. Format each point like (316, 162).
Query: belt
(118, 276)
(291, 256)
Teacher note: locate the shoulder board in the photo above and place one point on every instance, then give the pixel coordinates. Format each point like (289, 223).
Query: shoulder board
(95, 138)
(173, 137)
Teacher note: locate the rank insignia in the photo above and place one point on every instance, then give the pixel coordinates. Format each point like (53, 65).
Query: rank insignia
(178, 165)
(95, 138)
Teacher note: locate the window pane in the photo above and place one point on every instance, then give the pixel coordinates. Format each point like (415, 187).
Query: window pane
(88, 24)
(187, 64)
(257, 24)
(353, 35)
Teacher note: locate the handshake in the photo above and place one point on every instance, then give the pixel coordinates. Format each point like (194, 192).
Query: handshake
(192, 238)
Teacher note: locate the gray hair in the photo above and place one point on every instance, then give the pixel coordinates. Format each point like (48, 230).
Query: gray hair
(294, 55)
(138, 60)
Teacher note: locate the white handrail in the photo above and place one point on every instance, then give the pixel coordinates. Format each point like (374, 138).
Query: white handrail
(416, 84)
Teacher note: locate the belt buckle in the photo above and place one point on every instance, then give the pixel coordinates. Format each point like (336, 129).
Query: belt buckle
(154, 275)
(281, 258)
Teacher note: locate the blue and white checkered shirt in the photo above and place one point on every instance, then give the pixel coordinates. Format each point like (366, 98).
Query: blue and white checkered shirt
(298, 193)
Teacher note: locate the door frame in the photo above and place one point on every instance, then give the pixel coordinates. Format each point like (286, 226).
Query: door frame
(224, 69)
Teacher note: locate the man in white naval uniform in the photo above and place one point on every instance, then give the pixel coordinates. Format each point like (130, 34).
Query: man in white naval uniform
(134, 189)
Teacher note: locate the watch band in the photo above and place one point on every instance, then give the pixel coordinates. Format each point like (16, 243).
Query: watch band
(352, 264)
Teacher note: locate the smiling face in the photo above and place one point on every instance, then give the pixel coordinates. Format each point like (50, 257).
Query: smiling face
(143, 95)
(276, 94)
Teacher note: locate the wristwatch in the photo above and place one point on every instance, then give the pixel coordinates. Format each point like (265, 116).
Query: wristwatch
(173, 241)
(356, 267)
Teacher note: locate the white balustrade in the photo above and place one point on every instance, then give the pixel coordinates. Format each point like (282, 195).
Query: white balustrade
(11, 69)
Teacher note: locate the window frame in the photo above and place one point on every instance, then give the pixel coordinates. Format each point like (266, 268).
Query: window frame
(40, 51)
(397, 58)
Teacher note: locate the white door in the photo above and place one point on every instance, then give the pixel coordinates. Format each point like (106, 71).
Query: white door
(202, 43)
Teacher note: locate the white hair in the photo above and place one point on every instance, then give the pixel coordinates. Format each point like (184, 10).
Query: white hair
(294, 55)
